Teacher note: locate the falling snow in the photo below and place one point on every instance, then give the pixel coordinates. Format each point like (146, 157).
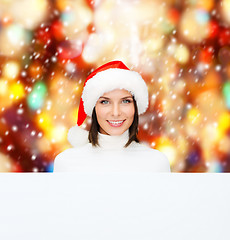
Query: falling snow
(183, 59)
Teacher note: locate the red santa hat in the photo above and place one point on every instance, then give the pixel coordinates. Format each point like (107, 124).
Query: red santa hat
(110, 76)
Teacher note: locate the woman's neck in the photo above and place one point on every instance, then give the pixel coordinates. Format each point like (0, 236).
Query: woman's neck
(113, 142)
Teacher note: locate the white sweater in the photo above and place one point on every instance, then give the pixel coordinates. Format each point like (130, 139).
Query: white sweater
(111, 156)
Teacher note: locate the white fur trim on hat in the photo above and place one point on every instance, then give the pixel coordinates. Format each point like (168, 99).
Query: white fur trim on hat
(77, 136)
(115, 78)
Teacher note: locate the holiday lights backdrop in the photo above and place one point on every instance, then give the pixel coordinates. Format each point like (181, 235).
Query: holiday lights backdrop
(181, 48)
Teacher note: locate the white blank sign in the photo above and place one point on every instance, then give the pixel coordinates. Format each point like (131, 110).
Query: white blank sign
(114, 206)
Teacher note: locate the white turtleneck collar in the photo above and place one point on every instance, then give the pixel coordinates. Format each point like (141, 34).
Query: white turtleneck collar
(113, 142)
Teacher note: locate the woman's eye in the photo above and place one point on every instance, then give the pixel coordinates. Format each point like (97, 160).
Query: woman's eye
(127, 101)
(104, 102)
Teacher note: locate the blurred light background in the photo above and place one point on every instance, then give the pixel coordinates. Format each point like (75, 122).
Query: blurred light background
(181, 48)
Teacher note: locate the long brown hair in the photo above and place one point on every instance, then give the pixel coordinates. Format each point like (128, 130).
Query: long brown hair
(133, 129)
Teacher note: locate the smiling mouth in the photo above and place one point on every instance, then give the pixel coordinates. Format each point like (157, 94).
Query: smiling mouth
(115, 123)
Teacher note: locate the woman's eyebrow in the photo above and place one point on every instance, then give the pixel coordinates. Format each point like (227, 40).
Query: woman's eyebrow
(127, 97)
(104, 97)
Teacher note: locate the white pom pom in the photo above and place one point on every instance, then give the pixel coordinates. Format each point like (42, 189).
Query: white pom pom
(77, 136)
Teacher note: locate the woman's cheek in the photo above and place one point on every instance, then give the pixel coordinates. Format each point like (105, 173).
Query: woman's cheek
(102, 111)
(130, 110)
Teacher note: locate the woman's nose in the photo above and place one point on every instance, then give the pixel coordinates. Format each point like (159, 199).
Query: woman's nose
(116, 111)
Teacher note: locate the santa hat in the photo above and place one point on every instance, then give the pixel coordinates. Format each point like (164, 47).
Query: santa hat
(110, 76)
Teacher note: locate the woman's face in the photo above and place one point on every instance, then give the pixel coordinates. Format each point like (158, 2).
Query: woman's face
(115, 112)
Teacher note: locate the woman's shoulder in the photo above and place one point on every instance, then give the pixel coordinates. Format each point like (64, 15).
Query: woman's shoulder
(141, 146)
(147, 152)
(144, 148)
(73, 151)
(70, 156)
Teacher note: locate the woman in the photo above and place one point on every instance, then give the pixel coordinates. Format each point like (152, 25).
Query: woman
(113, 96)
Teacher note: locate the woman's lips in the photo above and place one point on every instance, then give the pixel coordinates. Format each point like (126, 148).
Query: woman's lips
(115, 123)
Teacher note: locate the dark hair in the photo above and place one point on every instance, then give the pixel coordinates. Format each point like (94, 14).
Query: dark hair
(133, 129)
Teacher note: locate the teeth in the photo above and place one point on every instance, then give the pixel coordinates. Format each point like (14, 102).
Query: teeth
(117, 122)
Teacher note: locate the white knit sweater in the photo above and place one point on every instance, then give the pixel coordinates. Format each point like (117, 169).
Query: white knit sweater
(111, 156)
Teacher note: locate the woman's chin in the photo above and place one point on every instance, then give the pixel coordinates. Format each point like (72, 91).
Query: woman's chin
(115, 132)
